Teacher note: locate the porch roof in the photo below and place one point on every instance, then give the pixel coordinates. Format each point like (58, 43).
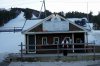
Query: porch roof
(55, 32)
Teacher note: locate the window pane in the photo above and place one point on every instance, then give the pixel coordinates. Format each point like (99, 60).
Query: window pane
(44, 40)
(56, 40)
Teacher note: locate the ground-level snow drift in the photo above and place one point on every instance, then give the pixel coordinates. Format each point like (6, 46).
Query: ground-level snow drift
(3, 56)
(94, 35)
(76, 63)
(9, 42)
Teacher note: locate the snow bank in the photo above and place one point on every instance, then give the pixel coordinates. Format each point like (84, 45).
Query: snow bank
(94, 35)
(9, 42)
(3, 56)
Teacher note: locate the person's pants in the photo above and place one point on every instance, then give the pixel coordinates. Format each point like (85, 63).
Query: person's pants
(65, 52)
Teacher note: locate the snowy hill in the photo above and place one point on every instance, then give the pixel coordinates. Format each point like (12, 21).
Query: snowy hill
(9, 40)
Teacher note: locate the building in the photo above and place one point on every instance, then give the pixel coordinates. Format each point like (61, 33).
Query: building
(54, 32)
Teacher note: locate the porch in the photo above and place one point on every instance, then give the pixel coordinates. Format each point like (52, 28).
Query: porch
(56, 42)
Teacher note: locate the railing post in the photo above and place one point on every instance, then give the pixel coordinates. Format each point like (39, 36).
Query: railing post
(94, 51)
(58, 50)
(21, 51)
(85, 47)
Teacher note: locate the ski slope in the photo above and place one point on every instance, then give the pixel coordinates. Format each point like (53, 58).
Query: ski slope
(10, 40)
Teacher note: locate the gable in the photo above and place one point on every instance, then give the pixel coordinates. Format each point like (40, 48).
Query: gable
(74, 28)
(37, 29)
(55, 23)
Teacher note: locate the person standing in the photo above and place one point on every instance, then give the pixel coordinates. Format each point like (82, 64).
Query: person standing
(65, 45)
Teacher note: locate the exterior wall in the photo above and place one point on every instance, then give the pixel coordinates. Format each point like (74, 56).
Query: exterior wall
(50, 37)
(74, 28)
(37, 28)
(82, 38)
(50, 41)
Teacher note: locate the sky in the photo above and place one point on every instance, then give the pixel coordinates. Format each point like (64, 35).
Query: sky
(55, 5)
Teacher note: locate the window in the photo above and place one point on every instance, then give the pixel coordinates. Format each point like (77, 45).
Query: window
(44, 40)
(56, 40)
(66, 40)
(78, 40)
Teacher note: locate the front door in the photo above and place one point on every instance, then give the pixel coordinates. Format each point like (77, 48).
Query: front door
(31, 44)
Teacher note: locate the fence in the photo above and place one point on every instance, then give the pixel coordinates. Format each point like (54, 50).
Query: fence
(11, 29)
(87, 46)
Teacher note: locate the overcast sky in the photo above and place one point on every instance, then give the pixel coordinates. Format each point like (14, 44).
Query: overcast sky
(55, 5)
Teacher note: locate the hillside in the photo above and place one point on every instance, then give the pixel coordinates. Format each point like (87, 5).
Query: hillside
(10, 40)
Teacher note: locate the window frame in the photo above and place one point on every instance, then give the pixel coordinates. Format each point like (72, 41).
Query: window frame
(43, 41)
(54, 40)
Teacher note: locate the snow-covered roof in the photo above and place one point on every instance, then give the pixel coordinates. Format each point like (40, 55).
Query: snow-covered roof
(30, 23)
(87, 26)
(75, 19)
(54, 19)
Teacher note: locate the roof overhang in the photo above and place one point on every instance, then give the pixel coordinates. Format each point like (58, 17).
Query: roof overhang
(55, 32)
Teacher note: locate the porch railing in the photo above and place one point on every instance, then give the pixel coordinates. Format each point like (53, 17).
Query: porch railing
(86, 47)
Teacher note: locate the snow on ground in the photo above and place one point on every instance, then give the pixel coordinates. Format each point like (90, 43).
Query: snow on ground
(74, 63)
(9, 42)
(3, 56)
(95, 35)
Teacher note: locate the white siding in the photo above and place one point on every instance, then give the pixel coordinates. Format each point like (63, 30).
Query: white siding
(56, 26)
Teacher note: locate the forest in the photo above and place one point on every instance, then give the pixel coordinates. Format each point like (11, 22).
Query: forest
(6, 15)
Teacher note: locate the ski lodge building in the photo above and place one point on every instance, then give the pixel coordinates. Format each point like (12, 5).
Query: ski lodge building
(50, 35)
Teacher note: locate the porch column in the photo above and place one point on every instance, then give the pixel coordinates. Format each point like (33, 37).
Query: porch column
(73, 41)
(27, 43)
(85, 40)
(86, 37)
(35, 42)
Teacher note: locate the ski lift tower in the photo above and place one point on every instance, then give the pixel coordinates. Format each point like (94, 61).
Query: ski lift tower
(43, 5)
